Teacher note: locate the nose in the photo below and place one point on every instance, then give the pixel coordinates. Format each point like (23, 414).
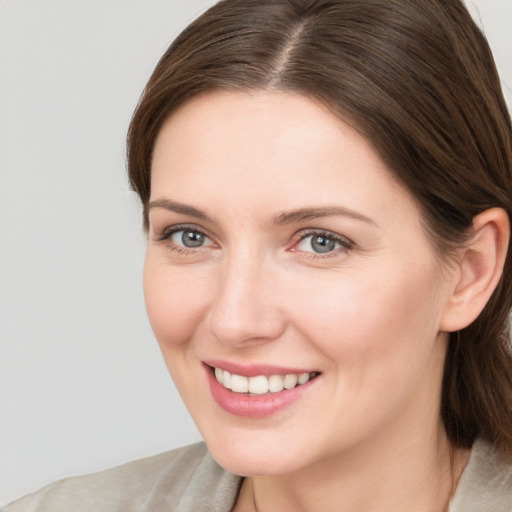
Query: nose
(246, 309)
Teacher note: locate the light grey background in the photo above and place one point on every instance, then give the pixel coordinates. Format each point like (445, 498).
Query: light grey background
(82, 384)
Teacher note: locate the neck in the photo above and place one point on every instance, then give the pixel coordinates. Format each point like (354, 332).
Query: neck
(401, 477)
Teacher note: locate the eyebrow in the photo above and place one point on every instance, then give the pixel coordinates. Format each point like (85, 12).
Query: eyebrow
(281, 219)
(184, 209)
(305, 214)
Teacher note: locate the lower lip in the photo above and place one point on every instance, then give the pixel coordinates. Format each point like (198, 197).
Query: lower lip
(254, 406)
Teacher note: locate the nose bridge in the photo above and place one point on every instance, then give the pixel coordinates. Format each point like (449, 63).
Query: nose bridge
(243, 309)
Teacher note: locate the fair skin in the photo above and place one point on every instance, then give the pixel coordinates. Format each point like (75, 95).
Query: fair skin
(279, 241)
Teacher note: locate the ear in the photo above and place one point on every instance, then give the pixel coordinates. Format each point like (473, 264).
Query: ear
(478, 269)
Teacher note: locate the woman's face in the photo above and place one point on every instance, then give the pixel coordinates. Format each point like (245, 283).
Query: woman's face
(280, 250)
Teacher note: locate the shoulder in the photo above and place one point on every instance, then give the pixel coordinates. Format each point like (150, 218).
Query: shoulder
(486, 483)
(183, 480)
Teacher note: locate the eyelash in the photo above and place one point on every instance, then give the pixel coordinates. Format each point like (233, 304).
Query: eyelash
(344, 242)
(168, 232)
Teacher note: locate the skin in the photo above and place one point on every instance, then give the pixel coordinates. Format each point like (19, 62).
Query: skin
(369, 315)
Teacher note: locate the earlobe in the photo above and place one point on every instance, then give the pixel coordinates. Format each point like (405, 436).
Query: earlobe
(480, 267)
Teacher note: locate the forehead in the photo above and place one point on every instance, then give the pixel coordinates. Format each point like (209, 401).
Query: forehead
(279, 149)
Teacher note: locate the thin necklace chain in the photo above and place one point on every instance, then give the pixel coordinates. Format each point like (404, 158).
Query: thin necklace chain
(253, 496)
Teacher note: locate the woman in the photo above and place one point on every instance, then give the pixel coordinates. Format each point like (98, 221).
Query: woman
(327, 192)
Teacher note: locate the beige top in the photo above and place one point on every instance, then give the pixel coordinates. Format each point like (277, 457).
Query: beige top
(189, 480)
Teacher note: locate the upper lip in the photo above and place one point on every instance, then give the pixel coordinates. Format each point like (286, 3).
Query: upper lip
(253, 370)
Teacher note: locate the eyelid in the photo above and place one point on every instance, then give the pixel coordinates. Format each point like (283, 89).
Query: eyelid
(168, 231)
(345, 242)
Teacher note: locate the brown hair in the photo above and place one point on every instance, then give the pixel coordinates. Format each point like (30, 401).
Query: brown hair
(418, 79)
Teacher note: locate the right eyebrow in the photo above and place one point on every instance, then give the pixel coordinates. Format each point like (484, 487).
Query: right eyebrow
(182, 208)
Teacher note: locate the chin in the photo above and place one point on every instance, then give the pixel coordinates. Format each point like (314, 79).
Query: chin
(255, 452)
(254, 461)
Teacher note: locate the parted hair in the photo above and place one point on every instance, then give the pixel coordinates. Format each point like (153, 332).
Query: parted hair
(417, 78)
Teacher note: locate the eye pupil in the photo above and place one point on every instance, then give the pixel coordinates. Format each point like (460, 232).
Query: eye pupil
(192, 239)
(321, 243)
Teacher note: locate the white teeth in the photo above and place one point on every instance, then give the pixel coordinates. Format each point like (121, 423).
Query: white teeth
(290, 381)
(303, 378)
(275, 383)
(239, 384)
(260, 384)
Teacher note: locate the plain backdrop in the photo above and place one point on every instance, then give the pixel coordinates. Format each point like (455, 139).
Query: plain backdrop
(82, 383)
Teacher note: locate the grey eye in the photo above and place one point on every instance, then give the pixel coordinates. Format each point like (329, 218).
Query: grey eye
(320, 243)
(188, 238)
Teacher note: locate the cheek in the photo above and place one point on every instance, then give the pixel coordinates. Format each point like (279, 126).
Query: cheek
(371, 318)
(379, 345)
(174, 301)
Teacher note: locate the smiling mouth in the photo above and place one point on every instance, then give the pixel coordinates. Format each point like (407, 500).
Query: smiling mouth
(261, 384)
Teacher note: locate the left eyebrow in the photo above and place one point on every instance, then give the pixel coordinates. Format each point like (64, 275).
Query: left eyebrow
(304, 214)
